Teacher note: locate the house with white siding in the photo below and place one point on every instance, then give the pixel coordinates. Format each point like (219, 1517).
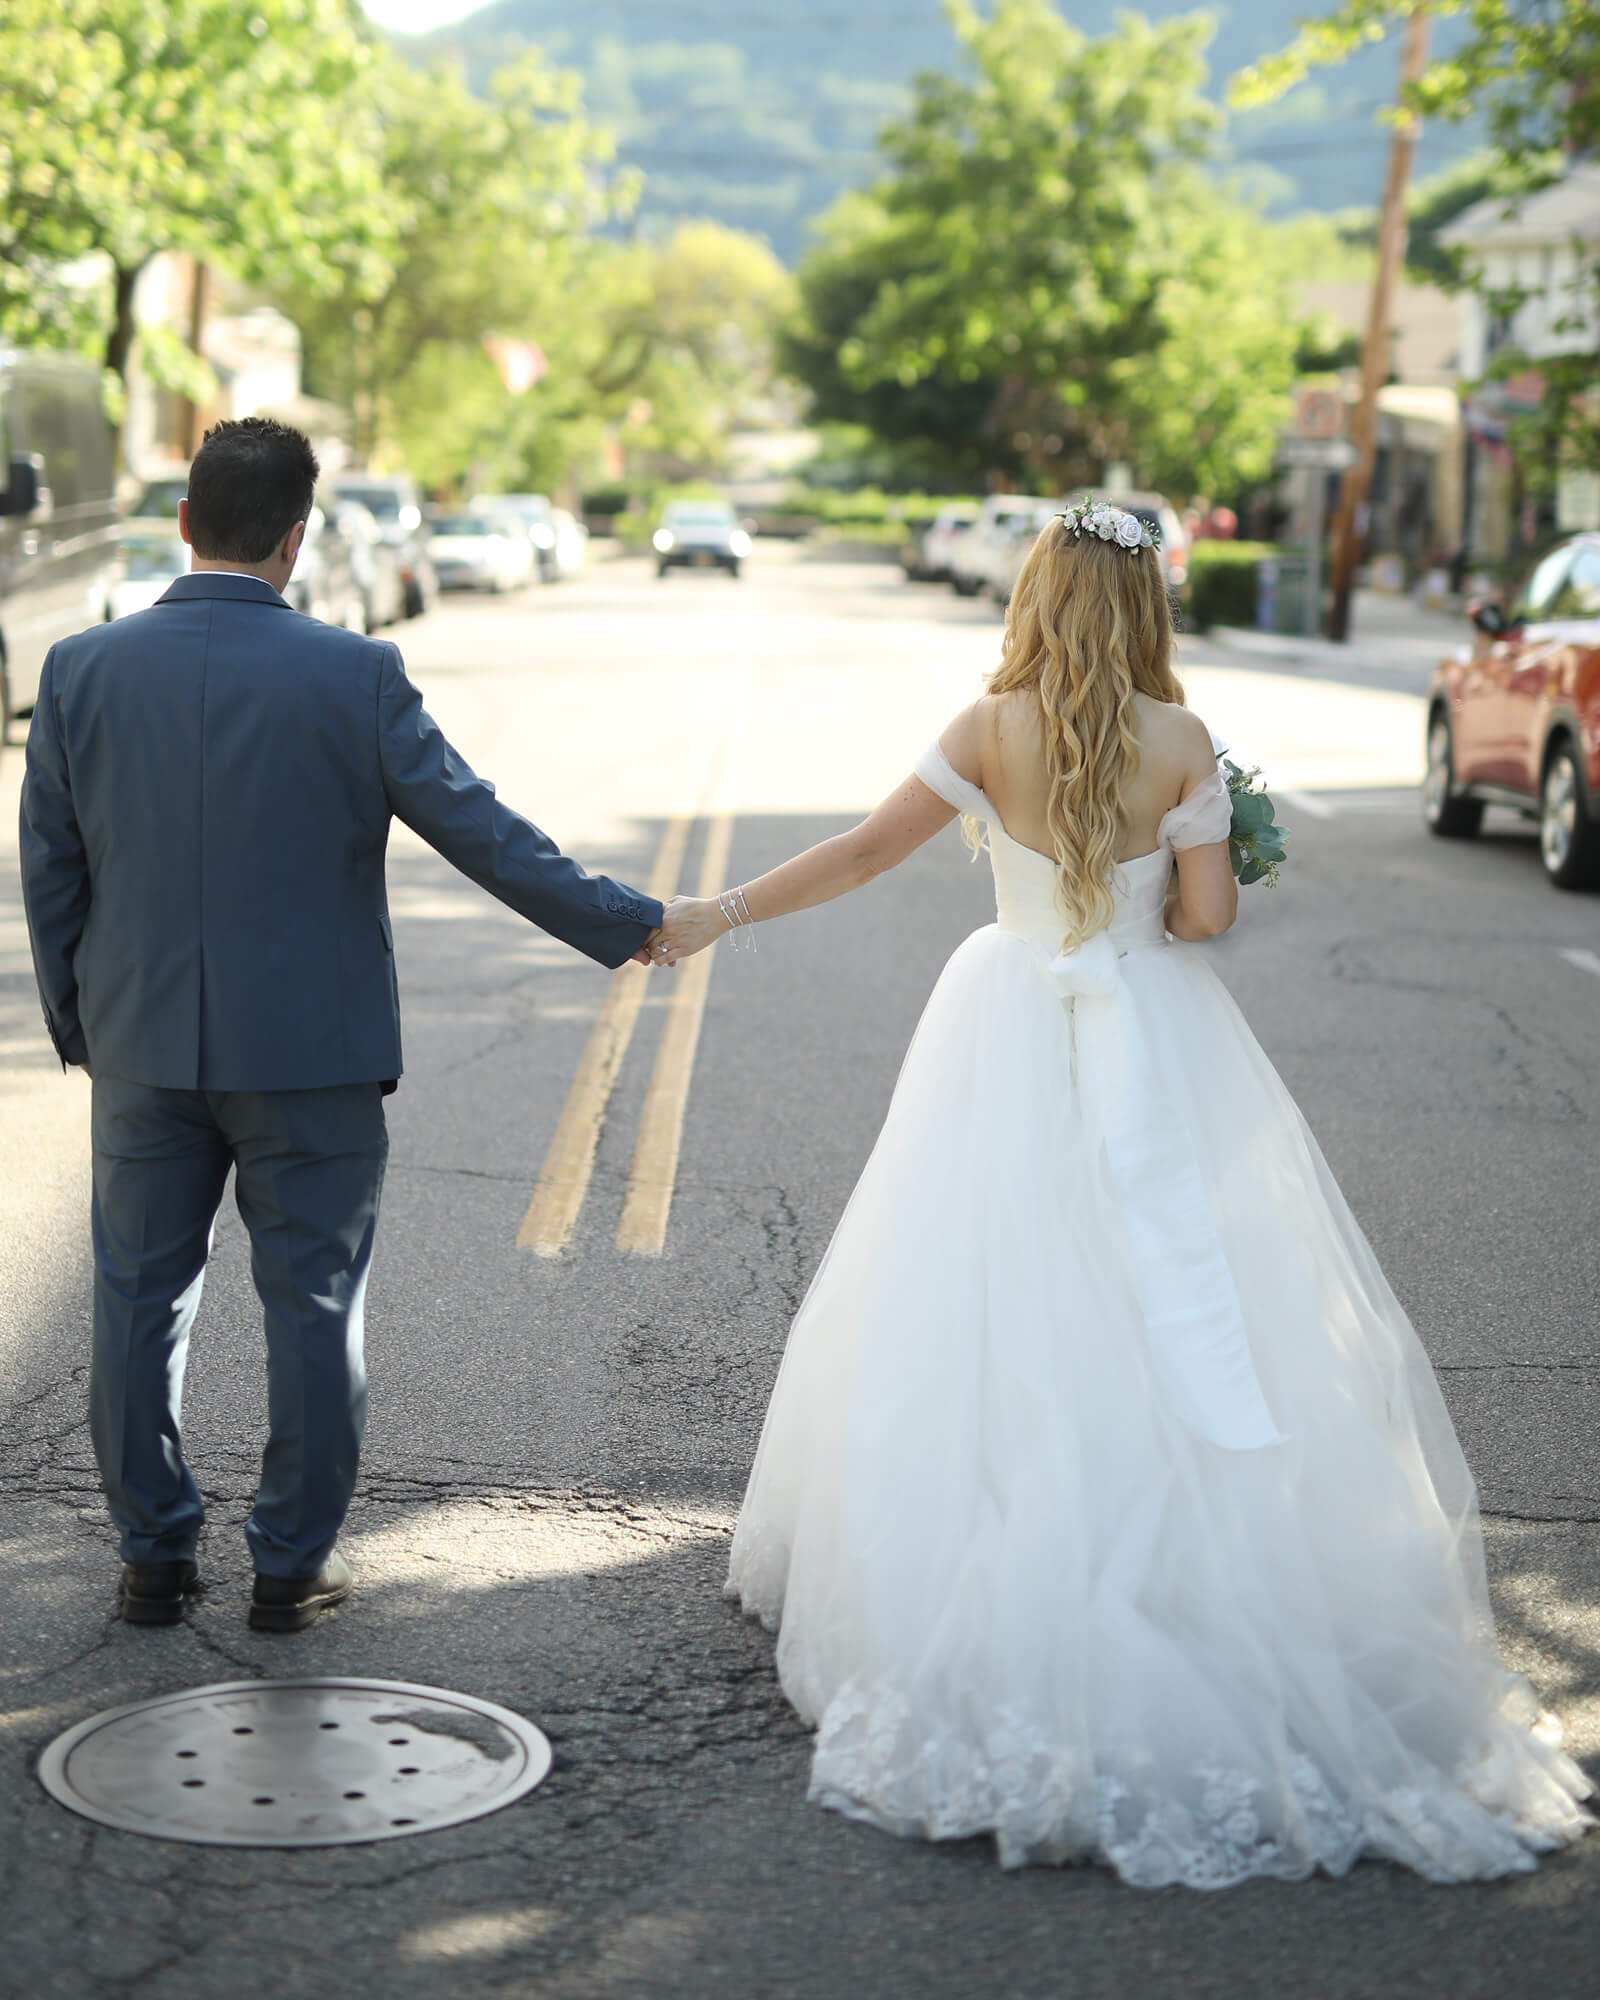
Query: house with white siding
(1534, 261)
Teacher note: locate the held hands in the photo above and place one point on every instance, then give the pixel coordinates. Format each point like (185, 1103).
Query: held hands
(689, 925)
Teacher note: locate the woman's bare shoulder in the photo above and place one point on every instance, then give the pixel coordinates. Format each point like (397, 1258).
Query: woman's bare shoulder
(1010, 714)
(1171, 730)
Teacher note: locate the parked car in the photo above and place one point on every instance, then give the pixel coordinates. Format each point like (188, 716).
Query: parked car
(1514, 718)
(480, 551)
(58, 519)
(702, 534)
(151, 556)
(571, 549)
(324, 584)
(974, 554)
(1009, 548)
(376, 563)
(157, 499)
(1157, 512)
(395, 502)
(538, 518)
(927, 556)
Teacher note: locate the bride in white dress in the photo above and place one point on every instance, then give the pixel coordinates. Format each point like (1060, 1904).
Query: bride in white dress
(1106, 1501)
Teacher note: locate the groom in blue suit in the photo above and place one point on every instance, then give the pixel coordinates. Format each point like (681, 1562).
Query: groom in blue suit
(207, 802)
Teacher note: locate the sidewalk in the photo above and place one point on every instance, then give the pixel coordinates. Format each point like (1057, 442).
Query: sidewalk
(1392, 635)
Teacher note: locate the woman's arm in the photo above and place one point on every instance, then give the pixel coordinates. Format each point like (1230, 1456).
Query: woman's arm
(906, 819)
(1204, 898)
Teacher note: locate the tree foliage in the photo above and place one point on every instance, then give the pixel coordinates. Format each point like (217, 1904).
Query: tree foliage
(1529, 65)
(398, 217)
(936, 429)
(680, 335)
(136, 126)
(1046, 255)
(660, 345)
(483, 201)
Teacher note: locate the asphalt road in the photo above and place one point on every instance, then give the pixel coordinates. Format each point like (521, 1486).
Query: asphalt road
(558, 1444)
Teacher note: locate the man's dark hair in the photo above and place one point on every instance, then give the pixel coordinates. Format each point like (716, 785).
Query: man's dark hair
(249, 483)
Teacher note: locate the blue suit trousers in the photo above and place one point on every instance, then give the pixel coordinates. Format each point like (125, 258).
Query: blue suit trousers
(308, 1168)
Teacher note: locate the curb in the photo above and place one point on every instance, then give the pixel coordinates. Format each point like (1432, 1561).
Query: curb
(1417, 657)
(1280, 646)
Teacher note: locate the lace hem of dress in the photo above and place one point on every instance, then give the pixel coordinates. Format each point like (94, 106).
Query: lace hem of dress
(1212, 1829)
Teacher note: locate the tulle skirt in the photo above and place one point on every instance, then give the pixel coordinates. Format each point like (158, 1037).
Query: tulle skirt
(1016, 1594)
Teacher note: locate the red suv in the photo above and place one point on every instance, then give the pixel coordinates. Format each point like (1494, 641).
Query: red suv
(1517, 721)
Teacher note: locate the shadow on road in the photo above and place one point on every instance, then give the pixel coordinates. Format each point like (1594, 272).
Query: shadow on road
(671, 1852)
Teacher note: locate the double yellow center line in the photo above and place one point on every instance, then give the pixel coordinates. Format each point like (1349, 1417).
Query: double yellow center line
(564, 1179)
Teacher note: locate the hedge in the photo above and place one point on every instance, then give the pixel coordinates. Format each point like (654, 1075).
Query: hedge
(864, 506)
(1222, 583)
(632, 511)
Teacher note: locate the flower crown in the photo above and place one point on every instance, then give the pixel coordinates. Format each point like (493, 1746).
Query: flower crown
(1111, 524)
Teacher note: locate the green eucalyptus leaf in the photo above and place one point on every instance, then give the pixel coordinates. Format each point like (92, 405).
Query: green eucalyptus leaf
(1251, 813)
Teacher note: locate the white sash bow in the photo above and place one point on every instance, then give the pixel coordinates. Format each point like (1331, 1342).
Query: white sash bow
(1193, 1320)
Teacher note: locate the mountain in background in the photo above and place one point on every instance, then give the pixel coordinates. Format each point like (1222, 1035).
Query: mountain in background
(759, 112)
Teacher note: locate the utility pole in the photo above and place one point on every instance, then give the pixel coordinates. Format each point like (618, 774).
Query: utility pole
(1375, 352)
(197, 330)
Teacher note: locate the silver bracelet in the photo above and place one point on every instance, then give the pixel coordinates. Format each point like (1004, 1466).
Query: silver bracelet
(736, 915)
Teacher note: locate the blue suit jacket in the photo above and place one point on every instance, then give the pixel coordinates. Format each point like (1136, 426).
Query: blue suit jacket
(206, 806)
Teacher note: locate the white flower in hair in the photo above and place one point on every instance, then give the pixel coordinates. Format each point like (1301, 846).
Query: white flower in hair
(1110, 524)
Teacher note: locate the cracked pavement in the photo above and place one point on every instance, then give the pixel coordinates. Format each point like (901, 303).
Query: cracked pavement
(557, 1449)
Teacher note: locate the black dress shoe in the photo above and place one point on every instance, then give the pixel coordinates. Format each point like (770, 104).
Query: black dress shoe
(291, 1603)
(153, 1593)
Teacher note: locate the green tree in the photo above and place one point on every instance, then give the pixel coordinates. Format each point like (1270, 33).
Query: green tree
(936, 430)
(1528, 65)
(1045, 243)
(666, 345)
(486, 202)
(685, 338)
(136, 126)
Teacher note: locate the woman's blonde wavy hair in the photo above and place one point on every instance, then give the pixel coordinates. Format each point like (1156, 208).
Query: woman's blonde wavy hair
(1089, 625)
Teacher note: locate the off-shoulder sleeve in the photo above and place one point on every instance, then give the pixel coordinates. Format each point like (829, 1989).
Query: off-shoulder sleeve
(936, 771)
(1205, 815)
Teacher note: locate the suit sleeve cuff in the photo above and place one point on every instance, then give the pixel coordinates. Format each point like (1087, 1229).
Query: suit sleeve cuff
(69, 1044)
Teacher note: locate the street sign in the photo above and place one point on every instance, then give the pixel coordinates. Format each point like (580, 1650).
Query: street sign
(1318, 454)
(1577, 501)
(1318, 413)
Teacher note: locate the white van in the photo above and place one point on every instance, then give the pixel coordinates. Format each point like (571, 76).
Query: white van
(58, 520)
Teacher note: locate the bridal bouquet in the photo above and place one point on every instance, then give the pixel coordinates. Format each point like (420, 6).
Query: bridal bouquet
(1255, 840)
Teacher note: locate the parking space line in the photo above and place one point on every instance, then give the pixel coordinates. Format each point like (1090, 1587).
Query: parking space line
(569, 1163)
(1585, 961)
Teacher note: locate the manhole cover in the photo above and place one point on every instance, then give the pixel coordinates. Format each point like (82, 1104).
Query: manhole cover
(301, 1763)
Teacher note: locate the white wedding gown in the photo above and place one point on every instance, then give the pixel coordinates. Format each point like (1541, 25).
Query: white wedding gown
(1106, 1501)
